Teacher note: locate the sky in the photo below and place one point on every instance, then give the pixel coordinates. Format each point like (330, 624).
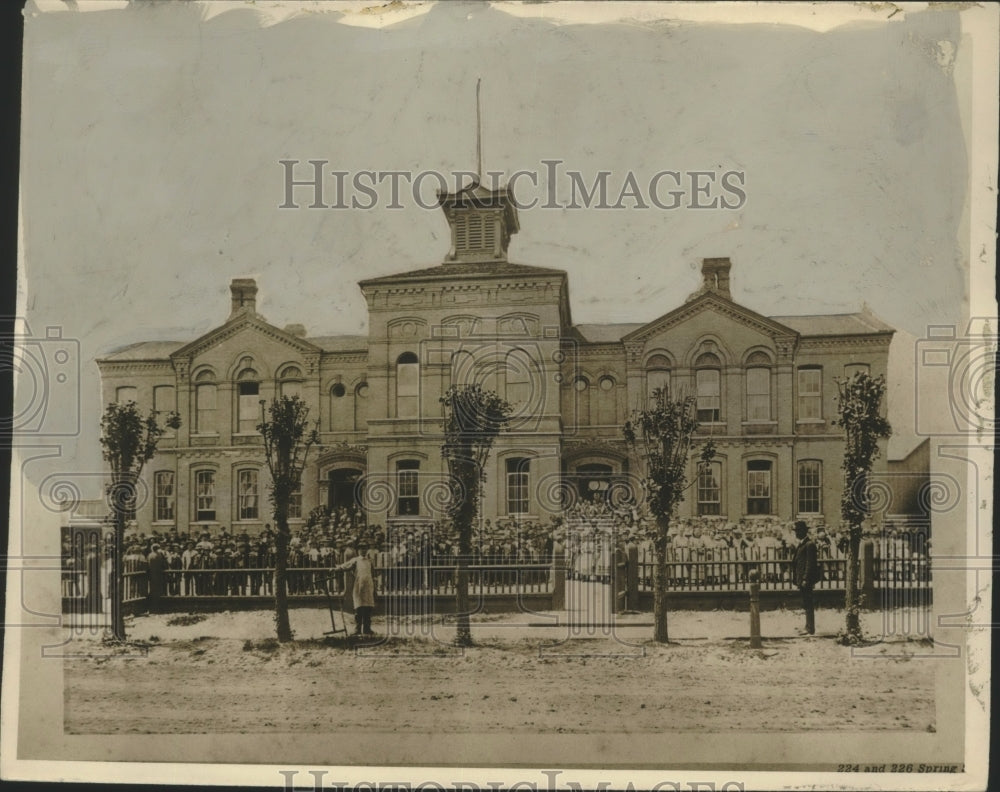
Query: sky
(153, 137)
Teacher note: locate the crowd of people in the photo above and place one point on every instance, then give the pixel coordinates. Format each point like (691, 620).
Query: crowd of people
(411, 557)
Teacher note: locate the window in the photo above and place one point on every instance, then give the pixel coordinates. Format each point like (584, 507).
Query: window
(810, 486)
(710, 489)
(657, 377)
(856, 368)
(204, 397)
(163, 493)
(758, 394)
(204, 483)
(361, 407)
(126, 394)
(291, 382)
(607, 405)
(408, 487)
(708, 385)
(810, 394)
(517, 486)
(246, 494)
(295, 504)
(164, 401)
(407, 385)
(517, 371)
(248, 408)
(758, 487)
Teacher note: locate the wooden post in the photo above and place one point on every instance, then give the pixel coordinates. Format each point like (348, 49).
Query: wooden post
(755, 642)
(558, 577)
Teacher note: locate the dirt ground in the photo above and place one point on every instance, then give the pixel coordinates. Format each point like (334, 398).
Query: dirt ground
(225, 673)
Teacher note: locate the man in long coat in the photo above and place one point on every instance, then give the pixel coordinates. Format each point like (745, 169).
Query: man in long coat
(805, 572)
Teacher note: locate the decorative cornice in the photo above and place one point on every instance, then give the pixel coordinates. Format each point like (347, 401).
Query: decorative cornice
(243, 321)
(711, 302)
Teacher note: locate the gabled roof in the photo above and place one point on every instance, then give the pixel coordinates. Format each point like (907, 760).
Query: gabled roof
(835, 324)
(144, 350)
(451, 271)
(604, 333)
(705, 302)
(341, 343)
(243, 320)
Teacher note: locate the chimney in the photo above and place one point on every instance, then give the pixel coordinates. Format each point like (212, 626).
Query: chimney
(715, 276)
(244, 292)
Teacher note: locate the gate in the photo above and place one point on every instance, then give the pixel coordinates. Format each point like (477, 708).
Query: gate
(595, 577)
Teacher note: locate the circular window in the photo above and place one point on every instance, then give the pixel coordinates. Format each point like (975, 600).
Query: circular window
(338, 390)
(362, 390)
(606, 383)
(581, 384)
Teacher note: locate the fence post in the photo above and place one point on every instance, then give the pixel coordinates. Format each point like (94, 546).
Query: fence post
(868, 573)
(754, 577)
(558, 577)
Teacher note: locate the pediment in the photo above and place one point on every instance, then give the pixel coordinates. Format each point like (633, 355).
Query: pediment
(246, 322)
(712, 303)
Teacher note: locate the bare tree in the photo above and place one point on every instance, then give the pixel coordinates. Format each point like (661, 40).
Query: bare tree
(859, 407)
(473, 419)
(663, 433)
(287, 440)
(128, 442)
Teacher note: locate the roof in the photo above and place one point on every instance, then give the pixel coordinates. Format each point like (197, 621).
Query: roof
(145, 350)
(605, 333)
(340, 343)
(835, 324)
(486, 269)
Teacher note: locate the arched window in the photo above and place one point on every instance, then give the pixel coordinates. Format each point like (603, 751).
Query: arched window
(407, 385)
(758, 385)
(517, 371)
(607, 401)
(204, 490)
(247, 506)
(248, 404)
(204, 400)
(657, 377)
(408, 487)
(708, 384)
(361, 407)
(163, 492)
(291, 382)
(518, 470)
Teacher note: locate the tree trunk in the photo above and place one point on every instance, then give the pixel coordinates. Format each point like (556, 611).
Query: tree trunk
(120, 491)
(281, 623)
(468, 476)
(852, 597)
(660, 578)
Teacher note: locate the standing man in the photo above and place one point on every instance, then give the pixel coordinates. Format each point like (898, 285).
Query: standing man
(156, 565)
(363, 592)
(805, 572)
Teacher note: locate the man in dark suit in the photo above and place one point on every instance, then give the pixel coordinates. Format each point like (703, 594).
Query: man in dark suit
(805, 572)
